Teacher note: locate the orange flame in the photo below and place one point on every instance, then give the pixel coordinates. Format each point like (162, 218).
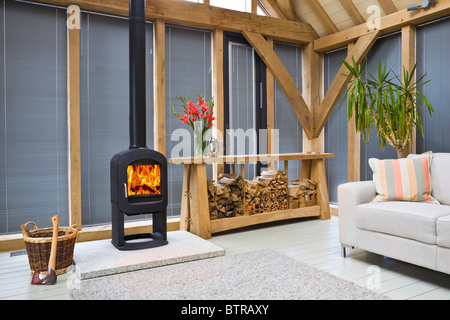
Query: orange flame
(144, 179)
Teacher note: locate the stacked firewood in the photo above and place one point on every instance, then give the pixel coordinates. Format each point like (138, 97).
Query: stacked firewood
(267, 193)
(302, 193)
(226, 196)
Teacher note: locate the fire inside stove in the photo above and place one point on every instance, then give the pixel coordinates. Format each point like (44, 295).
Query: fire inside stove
(144, 180)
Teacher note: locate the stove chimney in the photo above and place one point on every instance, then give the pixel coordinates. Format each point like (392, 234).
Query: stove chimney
(133, 169)
(137, 74)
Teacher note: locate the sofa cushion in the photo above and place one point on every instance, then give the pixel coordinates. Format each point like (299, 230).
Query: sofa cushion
(403, 179)
(443, 231)
(412, 220)
(440, 174)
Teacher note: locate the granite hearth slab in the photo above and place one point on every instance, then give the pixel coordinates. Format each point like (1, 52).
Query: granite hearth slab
(100, 258)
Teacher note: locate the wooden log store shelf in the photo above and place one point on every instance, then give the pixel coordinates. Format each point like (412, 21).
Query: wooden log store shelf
(195, 210)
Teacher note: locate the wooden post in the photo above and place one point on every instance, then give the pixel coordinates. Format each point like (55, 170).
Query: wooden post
(354, 146)
(73, 95)
(312, 92)
(408, 61)
(318, 175)
(200, 223)
(254, 7)
(159, 85)
(185, 199)
(218, 94)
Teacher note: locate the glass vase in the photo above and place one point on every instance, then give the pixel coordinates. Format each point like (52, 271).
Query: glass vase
(199, 139)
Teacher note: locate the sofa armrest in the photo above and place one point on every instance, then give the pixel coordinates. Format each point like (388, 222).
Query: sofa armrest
(350, 195)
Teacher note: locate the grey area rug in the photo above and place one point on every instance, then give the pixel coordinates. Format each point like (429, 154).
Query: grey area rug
(260, 275)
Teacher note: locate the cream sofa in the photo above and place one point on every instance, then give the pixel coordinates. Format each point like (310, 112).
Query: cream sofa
(414, 232)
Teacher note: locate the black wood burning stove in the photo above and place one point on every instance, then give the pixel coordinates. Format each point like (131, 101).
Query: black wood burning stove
(138, 174)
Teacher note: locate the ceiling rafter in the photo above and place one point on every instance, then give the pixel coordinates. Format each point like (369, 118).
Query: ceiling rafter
(388, 6)
(286, 7)
(388, 23)
(322, 16)
(271, 7)
(352, 11)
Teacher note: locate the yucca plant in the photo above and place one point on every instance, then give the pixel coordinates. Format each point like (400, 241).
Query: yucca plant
(393, 108)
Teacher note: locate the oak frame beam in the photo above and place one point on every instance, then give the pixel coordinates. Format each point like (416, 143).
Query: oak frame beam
(337, 87)
(73, 102)
(388, 24)
(180, 12)
(287, 84)
(159, 85)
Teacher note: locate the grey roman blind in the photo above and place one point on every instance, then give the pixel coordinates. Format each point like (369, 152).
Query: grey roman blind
(33, 115)
(387, 49)
(290, 132)
(432, 50)
(104, 107)
(336, 132)
(188, 73)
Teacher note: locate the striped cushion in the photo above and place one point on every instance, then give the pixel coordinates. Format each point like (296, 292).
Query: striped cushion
(403, 179)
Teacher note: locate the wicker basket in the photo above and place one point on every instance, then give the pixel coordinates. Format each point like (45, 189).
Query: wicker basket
(39, 246)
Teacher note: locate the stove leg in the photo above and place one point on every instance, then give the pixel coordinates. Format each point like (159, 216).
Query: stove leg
(117, 226)
(160, 224)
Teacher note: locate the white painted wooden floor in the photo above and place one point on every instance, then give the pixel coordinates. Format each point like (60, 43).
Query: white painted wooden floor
(314, 242)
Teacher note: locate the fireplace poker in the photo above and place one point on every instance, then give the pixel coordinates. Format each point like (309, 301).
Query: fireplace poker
(50, 278)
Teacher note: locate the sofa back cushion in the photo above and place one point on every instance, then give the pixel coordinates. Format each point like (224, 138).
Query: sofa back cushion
(440, 175)
(403, 179)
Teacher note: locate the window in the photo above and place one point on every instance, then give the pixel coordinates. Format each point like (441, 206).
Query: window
(387, 49)
(188, 73)
(336, 137)
(105, 107)
(290, 132)
(245, 107)
(238, 5)
(432, 58)
(33, 115)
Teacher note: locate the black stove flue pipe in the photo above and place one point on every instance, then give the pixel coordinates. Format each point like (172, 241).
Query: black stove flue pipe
(137, 74)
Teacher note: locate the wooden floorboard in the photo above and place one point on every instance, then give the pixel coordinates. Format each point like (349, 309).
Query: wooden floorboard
(312, 241)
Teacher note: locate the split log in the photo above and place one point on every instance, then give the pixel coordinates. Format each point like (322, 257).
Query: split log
(302, 193)
(226, 196)
(267, 193)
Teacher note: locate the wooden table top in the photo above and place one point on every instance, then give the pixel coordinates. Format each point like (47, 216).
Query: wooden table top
(251, 158)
